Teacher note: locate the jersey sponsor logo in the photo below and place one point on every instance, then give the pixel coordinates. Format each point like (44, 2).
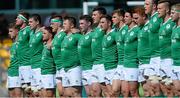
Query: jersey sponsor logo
(109, 38)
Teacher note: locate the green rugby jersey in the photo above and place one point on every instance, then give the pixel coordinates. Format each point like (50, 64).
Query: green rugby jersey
(109, 50)
(144, 52)
(56, 48)
(48, 66)
(84, 51)
(69, 51)
(165, 33)
(23, 46)
(130, 48)
(120, 40)
(154, 25)
(96, 46)
(36, 47)
(175, 46)
(13, 67)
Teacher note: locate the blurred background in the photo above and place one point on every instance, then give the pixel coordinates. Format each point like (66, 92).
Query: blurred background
(46, 8)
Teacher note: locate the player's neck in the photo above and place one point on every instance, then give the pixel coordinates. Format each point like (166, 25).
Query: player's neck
(59, 29)
(153, 11)
(49, 40)
(121, 23)
(131, 25)
(23, 26)
(178, 22)
(108, 30)
(88, 30)
(166, 18)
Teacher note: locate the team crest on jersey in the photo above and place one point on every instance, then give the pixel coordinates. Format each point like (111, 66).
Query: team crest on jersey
(118, 43)
(168, 26)
(154, 19)
(173, 40)
(59, 36)
(109, 38)
(86, 37)
(24, 32)
(123, 32)
(93, 40)
(37, 34)
(132, 33)
(146, 28)
(70, 39)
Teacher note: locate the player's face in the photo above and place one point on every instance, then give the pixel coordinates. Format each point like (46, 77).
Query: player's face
(104, 24)
(115, 18)
(55, 26)
(83, 25)
(13, 32)
(148, 6)
(161, 10)
(96, 17)
(138, 19)
(127, 18)
(46, 35)
(67, 25)
(174, 15)
(32, 23)
(19, 21)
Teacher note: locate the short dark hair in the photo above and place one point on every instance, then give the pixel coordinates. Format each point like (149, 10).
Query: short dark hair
(36, 17)
(107, 17)
(87, 18)
(130, 11)
(120, 12)
(100, 9)
(49, 29)
(71, 19)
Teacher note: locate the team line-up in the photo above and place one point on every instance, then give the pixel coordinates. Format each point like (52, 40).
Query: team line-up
(109, 55)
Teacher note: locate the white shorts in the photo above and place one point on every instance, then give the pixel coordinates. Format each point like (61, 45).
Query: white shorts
(36, 78)
(13, 82)
(48, 81)
(25, 74)
(98, 74)
(59, 74)
(130, 74)
(175, 73)
(155, 66)
(109, 76)
(86, 77)
(72, 77)
(119, 73)
(166, 67)
(144, 69)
